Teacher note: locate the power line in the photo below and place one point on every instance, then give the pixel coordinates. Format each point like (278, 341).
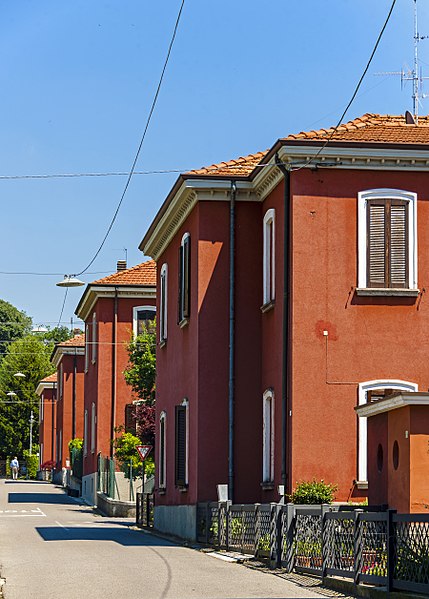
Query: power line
(141, 141)
(62, 308)
(354, 93)
(50, 274)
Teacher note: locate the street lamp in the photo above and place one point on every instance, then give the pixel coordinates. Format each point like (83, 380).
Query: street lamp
(70, 281)
(11, 393)
(19, 375)
(40, 328)
(32, 421)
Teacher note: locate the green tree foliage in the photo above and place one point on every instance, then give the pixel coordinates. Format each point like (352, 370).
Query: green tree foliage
(32, 461)
(14, 324)
(141, 373)
(29, 355)
(126, 453)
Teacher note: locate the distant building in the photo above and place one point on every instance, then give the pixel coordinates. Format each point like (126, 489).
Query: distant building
(290, 288)
(46, 390)
(68, 358)
(114, 309)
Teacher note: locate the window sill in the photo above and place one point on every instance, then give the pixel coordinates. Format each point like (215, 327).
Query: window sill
(362, 485)
(381, 292)
(267, 486)
(162, 491)
(183, 489)
(162, 343)
(184, 322)
(268, 306)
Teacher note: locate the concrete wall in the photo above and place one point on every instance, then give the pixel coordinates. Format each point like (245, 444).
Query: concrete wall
(177, 520)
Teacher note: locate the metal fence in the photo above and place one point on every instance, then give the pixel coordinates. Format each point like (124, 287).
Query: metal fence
(106, 476)
(76, 462)
(366, 545)
(144, 509)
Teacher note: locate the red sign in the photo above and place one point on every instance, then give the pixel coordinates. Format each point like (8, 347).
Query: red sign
(144, 451)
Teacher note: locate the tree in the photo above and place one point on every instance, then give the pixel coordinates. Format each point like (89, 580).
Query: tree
(29, 355)
(14, 324)
(141, 373)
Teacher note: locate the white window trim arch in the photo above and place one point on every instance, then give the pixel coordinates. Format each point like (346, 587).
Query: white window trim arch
(182, 285)
(163, 305)
(394, 194)
(269, 256)
(185, 402)
(268, 443)
(94, 339)
(138, 309)
(163, 419)
(395, 384)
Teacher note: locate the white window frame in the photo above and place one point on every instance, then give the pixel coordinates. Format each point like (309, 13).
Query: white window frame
(60, 446)
(86, 347)
(162, 483)
(185, 402)
(394, 384)
(85, 433)
(93, 423)
(94, 339)
(269, 283)
(42, 408)
(268, 436)
(136, 311)
(386, 194)
(163, 303)
(182, 287)
(61, 381)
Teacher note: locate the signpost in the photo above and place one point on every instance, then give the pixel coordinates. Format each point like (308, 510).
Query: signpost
(144, 451)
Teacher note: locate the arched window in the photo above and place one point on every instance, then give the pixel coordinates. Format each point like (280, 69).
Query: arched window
(184, 278)
(163, 286)
(269, 257)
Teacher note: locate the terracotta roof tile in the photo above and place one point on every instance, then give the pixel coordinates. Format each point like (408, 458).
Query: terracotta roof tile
(52, 378)
(373, 128)
(76, 341)
(142, 274)
(241, 167)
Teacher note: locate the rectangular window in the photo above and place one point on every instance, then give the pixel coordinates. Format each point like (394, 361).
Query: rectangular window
(130, 421)
(387, 244)
(269, 257)
(163, 304)
(60, 381)
(268, 437)
(162, 453)
(184, 278)
(85, 433)
(94, 338)
(181, 474)
(93, 422)
(86, 347)
(143, 318)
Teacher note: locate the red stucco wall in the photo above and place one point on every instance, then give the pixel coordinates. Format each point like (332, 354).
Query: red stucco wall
(65, 403)
(47, 426)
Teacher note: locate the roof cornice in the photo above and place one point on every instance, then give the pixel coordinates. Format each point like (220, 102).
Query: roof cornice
(93, 293)
(171, 217)
(45, 385)
(60, 351)
(393, 402)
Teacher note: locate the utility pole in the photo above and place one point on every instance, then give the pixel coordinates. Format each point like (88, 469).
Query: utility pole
(31, 431)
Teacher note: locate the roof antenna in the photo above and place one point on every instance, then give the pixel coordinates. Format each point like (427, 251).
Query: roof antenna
(414, 74)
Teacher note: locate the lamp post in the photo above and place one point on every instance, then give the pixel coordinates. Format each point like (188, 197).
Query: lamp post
(70, 281)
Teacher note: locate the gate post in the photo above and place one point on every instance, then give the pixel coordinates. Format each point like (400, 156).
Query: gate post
(390, 549)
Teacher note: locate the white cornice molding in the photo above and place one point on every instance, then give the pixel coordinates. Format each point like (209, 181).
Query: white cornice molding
(59, 352)
(398, 400)
(94, 292)
(183, 202)
(367, 158)
(45, 385)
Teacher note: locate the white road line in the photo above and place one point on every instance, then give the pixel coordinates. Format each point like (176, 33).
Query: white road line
(62, 525)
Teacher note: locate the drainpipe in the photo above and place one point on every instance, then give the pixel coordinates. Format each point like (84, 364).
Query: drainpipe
(286, 445)
(231, 377)
(74, 395)
(114, 360)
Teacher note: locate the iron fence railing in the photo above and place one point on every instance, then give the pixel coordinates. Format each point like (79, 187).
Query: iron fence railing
(145, 509)
(365, 544)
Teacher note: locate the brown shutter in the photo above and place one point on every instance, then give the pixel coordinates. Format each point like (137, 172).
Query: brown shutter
(180, 446)
(398, 246)
(376, 266)
(130, 421)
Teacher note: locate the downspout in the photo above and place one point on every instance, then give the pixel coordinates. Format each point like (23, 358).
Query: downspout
(286, 413)
(231, 374)
(74, 395)
(114, 360)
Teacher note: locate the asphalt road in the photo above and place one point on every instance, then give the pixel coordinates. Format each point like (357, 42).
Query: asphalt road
(54, 547)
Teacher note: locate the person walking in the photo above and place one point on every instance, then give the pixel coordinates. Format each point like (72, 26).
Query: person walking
(14, 466)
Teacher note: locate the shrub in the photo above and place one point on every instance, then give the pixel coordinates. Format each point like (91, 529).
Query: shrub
(32, 461)
(313, 492)
(75, 444)
(48, 465)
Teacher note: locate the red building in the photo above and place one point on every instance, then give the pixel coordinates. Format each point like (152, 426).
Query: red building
(291, 288)
(113, 309)
(46, 390)
(68, 358)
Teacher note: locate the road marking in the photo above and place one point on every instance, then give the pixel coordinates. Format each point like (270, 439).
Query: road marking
(62, 525)
(21, 513)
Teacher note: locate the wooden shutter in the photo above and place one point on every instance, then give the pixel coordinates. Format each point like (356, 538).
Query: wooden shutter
(387, 244)
(180, 446)
(130, 421)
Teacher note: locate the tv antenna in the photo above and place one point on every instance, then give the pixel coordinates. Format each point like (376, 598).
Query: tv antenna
(415, 74)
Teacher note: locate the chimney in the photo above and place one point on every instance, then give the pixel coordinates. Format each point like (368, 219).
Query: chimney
(121, 265)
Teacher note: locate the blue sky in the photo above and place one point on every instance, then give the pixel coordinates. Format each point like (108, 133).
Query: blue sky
(77, 81)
